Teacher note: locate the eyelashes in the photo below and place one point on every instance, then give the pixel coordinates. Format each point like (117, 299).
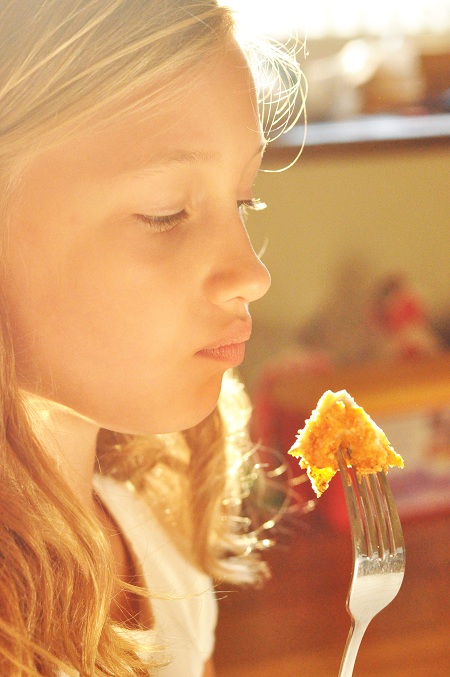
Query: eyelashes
(163, 224)
(255, 204)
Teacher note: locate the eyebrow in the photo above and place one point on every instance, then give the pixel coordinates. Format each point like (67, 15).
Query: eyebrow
(187, 156)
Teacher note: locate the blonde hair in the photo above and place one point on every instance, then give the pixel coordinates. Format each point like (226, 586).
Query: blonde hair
(63, 62)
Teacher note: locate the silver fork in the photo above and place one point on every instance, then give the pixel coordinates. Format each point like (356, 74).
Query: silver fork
(378, 553)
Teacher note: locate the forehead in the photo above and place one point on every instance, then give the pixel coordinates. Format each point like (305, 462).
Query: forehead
(212, 113)
(214, 107)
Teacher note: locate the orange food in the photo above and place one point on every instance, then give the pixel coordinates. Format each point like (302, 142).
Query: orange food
(339, 424)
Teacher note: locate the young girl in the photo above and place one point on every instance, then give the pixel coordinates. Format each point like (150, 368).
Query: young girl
(130, 143)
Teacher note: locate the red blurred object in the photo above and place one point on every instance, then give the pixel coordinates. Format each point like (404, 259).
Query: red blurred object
(400, 317)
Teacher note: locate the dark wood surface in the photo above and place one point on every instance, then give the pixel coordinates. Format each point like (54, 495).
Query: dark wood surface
(296, 626)
(365, 134)
(382, 388)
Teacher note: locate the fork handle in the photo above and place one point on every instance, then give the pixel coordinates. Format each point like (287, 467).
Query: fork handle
(355, 635)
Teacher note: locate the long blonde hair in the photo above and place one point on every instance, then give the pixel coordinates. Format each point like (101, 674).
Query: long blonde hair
(63, 61)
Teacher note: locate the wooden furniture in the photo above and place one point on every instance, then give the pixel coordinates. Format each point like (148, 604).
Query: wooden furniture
(296, 625)
(365, 133)
(379, 387)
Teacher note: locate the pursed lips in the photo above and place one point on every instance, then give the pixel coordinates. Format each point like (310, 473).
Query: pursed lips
(230, 348)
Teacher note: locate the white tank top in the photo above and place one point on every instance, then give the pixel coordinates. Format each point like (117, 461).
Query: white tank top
(184, 625)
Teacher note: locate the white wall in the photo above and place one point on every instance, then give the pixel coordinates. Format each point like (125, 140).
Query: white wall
(385, 210)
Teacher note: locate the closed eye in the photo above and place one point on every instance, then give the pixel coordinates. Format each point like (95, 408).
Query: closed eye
(162, 224)
(165, 223)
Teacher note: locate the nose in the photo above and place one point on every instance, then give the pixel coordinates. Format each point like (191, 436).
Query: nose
(236, 270)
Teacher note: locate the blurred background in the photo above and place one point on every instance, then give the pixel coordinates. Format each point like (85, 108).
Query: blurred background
(356, 236)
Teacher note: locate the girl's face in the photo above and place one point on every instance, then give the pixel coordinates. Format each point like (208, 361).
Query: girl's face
(129, 270)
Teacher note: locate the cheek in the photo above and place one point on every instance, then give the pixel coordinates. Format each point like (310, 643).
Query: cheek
(108, 323)
(116, 294)
(101, 317)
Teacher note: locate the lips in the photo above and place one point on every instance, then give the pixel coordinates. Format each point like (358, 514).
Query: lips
(230, 349)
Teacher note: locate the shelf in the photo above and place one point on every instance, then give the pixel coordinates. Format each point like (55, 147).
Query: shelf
(380, 387)
(367, 130)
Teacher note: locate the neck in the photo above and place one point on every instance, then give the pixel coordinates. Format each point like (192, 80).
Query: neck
(70, 437)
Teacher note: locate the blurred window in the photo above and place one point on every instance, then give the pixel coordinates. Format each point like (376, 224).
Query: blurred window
(344, 19)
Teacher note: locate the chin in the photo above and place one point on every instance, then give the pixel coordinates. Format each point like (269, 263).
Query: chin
(198, 407)
(189, 419)
(171, 425)
(172, 419)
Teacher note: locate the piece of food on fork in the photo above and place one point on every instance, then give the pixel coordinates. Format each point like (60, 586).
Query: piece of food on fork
(336, 425)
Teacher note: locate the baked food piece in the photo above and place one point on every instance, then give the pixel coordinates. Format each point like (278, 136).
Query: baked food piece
(338, 423)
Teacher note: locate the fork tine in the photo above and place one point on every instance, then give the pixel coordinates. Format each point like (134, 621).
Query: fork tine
(393, 519)
(353, 508)
(369, 515)
(382, 522)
